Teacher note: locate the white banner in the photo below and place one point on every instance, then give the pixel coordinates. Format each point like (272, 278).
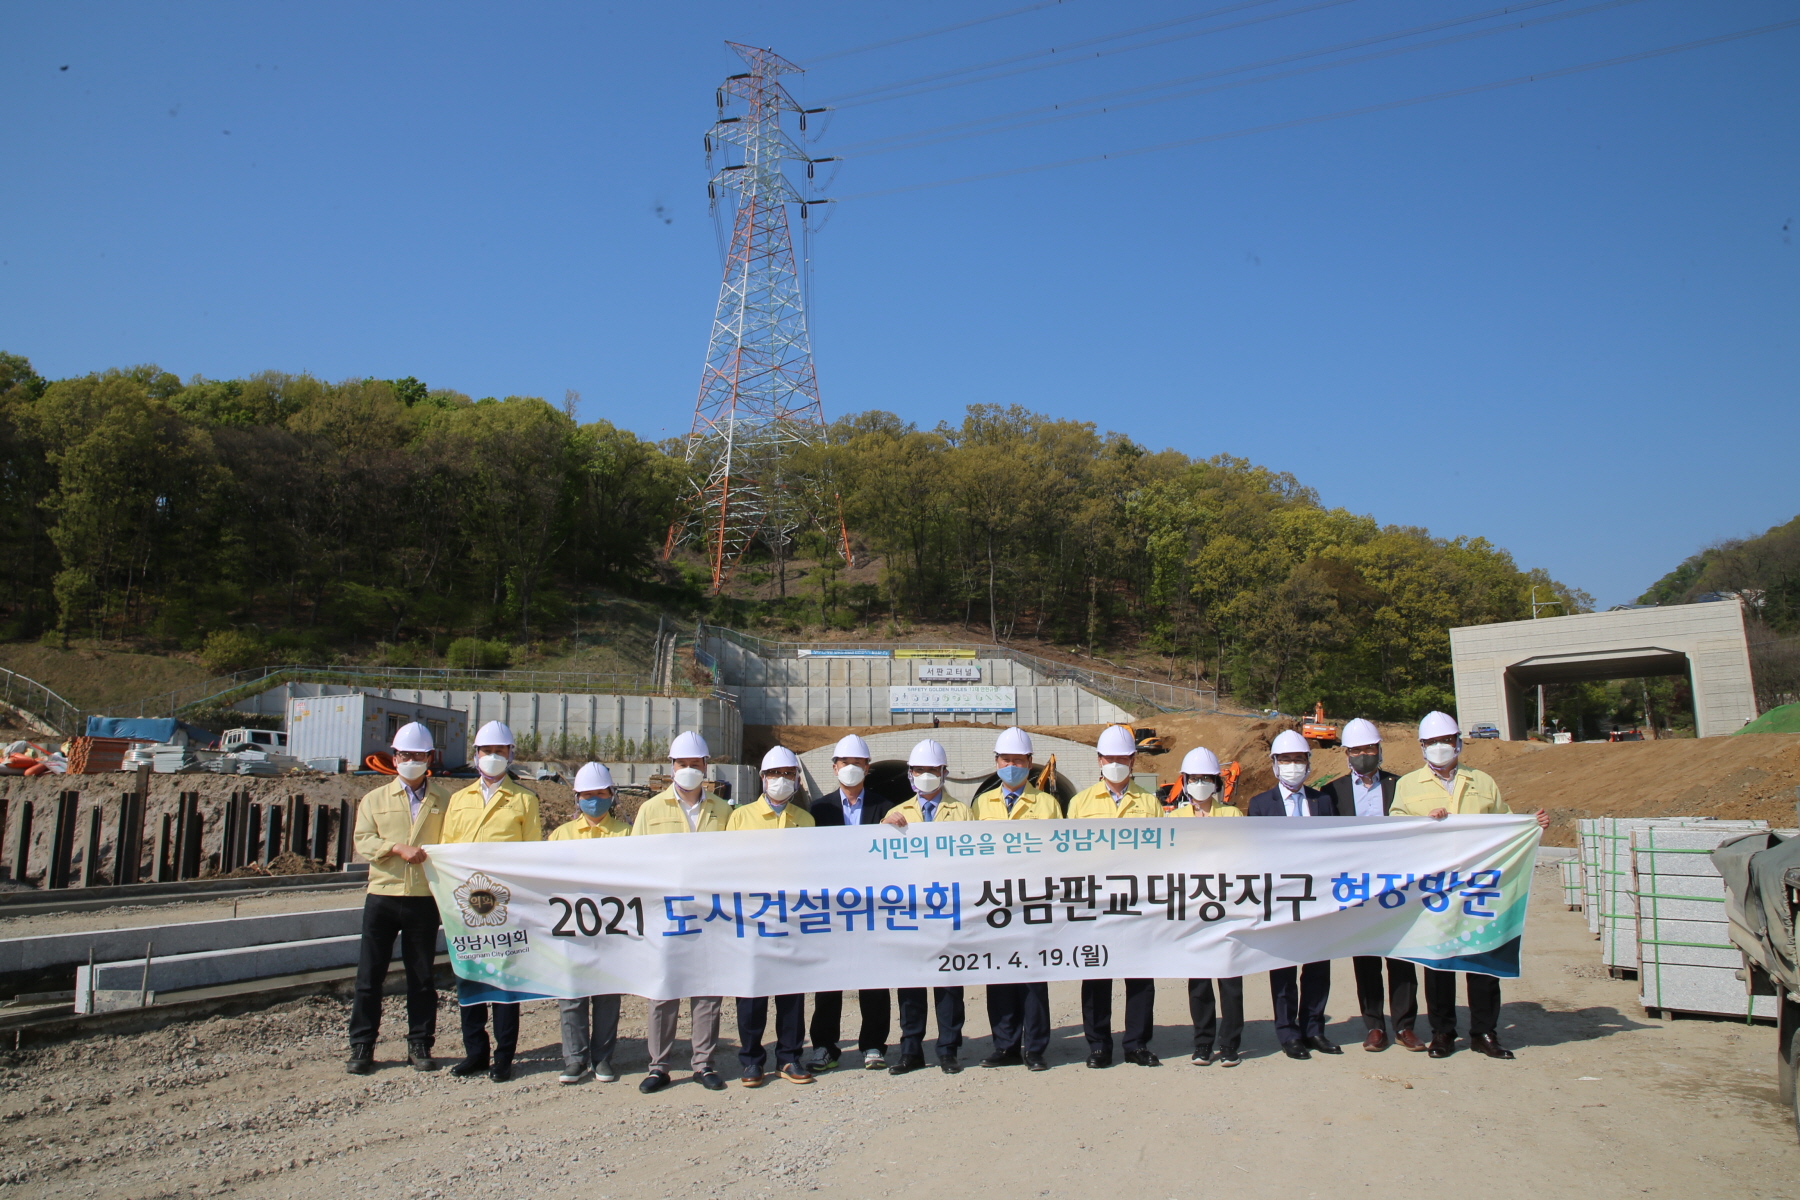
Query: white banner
(950, 673)
(759, 913)
(980, 698)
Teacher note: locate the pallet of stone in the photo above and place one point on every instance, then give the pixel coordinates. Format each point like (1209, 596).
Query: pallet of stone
(1570, 870)
(1614, 922)
(1687, 962)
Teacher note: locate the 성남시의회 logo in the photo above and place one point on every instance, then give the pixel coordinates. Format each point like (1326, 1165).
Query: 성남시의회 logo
(482, 901)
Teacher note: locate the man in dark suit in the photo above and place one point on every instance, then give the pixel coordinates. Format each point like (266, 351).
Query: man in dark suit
(1299, 1004)
(851, 804)
(1368, 791)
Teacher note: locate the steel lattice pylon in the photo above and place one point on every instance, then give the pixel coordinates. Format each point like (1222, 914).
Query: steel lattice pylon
(759, 398)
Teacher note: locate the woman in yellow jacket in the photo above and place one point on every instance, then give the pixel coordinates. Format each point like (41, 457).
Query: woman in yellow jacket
(492, 809)
(1215, 1040)
(590, 1024)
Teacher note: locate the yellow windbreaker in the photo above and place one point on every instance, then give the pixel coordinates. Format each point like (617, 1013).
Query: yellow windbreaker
(581, 830)
(384, 819)
(1097, 801)
(762, 815)
(1031, 805)
(1186, 809)
(1418, 793)
(511, 815)
(947, 810)
(661, 813)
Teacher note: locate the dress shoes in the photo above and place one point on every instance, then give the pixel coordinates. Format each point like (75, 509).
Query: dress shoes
(1296, 1050)
(1488, 1044)
(1035, 1062)
(418, 1055)
(1003, 1058)
(1142, 1058)
(655, 1081)
(712, 1081)
(948, 1065)
(755, 1080)
(1324, 1045)
(908, 1063)
(361, 1060)
(1376, 1041)
(1099, 1061)
(1410, 1040)
(796, 1073)
(470, 1066)
(501, 1071)
(1443, 1045)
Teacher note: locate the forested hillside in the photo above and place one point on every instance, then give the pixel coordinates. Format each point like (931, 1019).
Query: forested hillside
(294, 519)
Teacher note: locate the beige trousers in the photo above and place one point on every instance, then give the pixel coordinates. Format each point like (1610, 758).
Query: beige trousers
(704, 1011)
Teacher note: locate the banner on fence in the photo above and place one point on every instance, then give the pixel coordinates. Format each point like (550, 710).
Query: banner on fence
(761, 913)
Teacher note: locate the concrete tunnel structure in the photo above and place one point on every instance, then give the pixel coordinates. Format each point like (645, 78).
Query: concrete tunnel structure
(1498, 667)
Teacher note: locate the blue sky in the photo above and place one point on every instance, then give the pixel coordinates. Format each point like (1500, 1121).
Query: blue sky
(1561, 315)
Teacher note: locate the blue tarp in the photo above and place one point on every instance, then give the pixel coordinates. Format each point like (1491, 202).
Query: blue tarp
(149, 729)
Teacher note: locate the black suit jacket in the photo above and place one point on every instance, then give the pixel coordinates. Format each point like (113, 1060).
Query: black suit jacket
(1344, 796)
(829, 809)
(1268, 804)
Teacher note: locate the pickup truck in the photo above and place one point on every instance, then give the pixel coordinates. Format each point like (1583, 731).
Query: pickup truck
(1762, 900)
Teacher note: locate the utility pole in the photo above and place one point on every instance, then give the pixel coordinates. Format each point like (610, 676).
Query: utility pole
(1535, 605)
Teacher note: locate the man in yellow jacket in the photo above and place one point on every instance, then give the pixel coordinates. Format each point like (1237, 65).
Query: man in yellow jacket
(1018, 1013)
(683, 807)
(1438, 789)
(926, 767)
(392, 823)
(1117, 795)
(492, 809)
(590, 1024)
(773, 810)
(1217, 1030)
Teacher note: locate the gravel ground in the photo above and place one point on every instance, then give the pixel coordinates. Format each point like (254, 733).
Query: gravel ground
(1601, 1101)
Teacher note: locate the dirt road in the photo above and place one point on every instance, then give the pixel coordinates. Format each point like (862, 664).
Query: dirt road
(1601, 1101)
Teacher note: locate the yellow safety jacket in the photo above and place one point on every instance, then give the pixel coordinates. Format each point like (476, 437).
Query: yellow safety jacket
(947, 810)
(1031, 805)
(1419, 793)
(581, 829)
(384, 819)
(1097, 801)
(510, 815)
(762, 815)
(661, 813)
(1186, 809)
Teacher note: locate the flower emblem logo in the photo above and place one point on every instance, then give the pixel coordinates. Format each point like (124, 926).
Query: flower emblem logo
(482, 900)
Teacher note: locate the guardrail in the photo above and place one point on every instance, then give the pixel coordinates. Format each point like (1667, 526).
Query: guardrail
(1123, 690)
(35, 700)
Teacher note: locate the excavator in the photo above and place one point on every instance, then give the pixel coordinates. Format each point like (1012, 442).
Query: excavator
(1318, 730)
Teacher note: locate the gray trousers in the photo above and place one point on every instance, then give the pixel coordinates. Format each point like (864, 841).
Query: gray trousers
(584, 1044)
(661, 1040)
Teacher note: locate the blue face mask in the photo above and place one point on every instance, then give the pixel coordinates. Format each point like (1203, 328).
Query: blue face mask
(1013, 776)
(593, 806)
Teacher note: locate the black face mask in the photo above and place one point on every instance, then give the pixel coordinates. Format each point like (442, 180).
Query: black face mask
(1364, 764)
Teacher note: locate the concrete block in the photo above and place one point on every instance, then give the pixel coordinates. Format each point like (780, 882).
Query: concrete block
(1698, 887)
(52, 950)
(1655, 906)
(1688, 943)
(1676, 862)
(1694, 989)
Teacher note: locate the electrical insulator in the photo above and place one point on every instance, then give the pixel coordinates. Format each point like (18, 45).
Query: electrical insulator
(709, 143)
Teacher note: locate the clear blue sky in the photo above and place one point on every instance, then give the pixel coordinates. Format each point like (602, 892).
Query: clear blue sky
(1562, 316)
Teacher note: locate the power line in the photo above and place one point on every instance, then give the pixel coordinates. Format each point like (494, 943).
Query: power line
(949, 132)
(1335, 116)
(1017, 58)
(913, 37)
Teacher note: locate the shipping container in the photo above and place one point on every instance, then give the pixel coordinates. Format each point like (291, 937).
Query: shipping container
(355, 726)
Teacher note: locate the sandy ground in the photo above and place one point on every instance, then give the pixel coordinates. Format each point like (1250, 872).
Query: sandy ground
(1601, 1101)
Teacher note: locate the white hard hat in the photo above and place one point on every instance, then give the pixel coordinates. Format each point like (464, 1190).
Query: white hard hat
(779, 757)
(594, 777)
(1289, 742)
(1200, 761)
(494, 733)
(1117, 740)
(851, 746)
(1361, 733)
(688, 744)
(1437, 725)
(1013, 741)
(414, 738)
(927, 754)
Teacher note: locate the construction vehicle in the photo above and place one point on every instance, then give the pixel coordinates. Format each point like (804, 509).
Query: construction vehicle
(1319, 730)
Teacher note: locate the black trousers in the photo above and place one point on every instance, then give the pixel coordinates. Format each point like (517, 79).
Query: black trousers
(950, 1014)
(1097, 1011)
(1402, 991)
(828, 1020)
(414, 919)
(1019, 1014)
(506, 1031)
(790, 1031)
(1440, 1002)
(1300, 1011)
(1225, 1030)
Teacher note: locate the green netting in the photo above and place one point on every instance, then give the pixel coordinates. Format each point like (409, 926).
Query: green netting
(1784, 719)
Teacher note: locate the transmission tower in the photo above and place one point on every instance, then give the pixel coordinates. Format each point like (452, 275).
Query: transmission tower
(759, 397)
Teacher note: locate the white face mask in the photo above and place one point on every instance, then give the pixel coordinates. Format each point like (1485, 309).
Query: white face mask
(412, 772)
(1292, 774)
(779, 789)
(1115, 772)
(1441, 754)
(1201, 790)
(491, 765)
(850, 774)
(926, 783)
(689, 778)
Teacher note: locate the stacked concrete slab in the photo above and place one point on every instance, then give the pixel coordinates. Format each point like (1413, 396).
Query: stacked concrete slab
(1570, 869)
(1686, 960)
